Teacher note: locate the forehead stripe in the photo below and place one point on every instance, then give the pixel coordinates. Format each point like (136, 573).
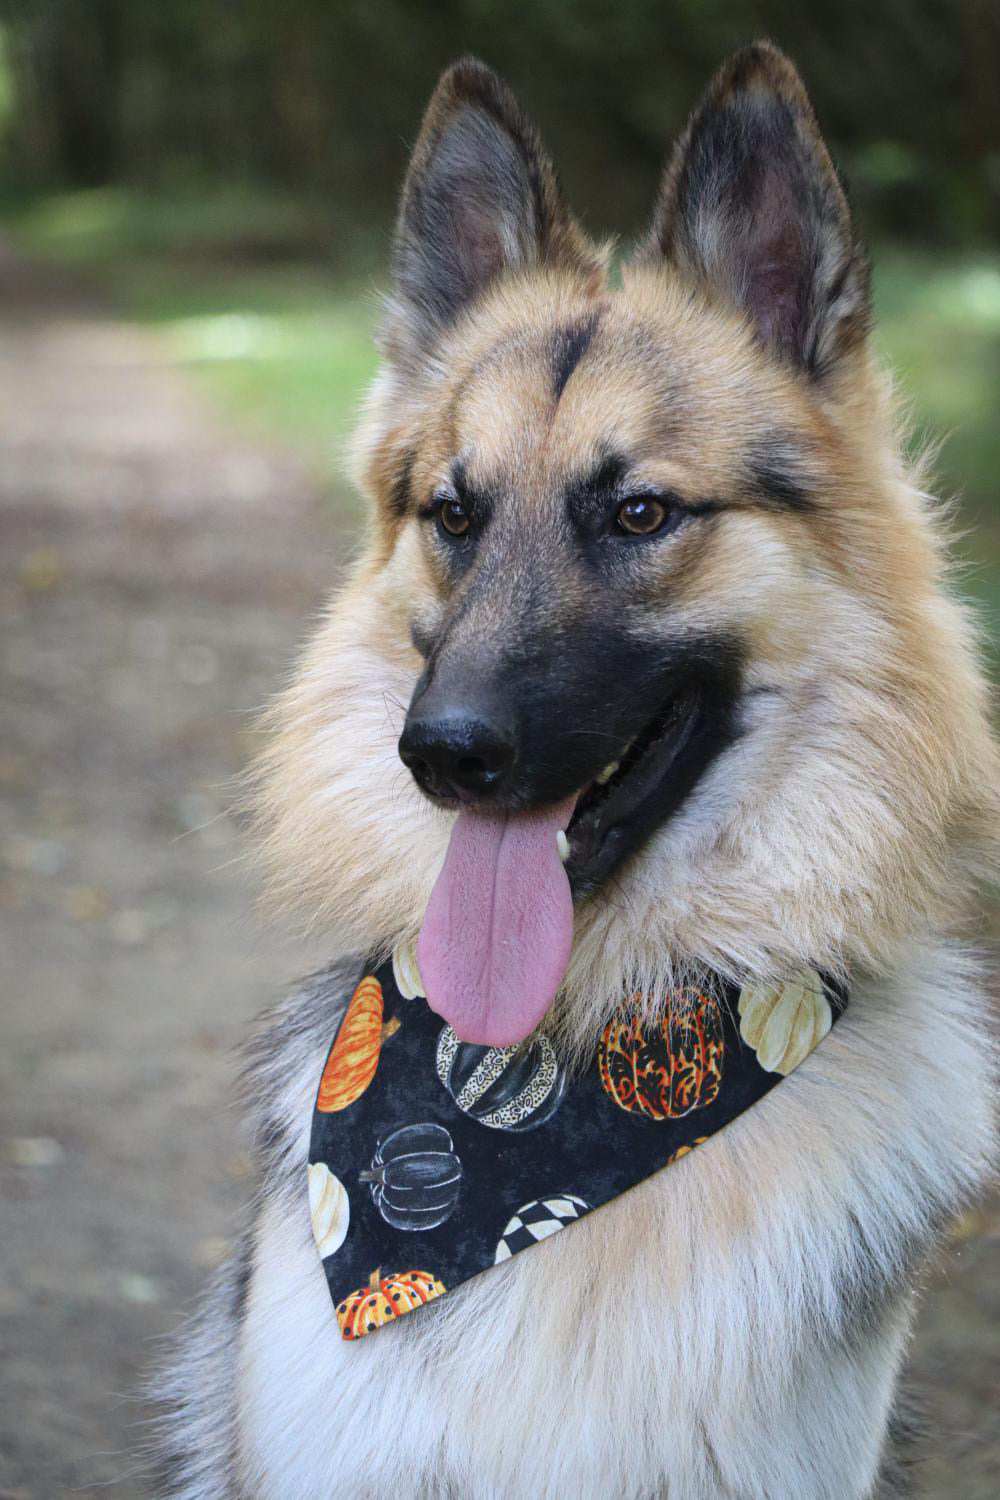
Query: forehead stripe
(569, 344)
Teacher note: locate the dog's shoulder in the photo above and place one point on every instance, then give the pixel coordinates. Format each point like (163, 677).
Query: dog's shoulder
(281, 1064)
(194, 1392)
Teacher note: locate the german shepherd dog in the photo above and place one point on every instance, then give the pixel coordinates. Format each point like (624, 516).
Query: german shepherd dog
(648, 576)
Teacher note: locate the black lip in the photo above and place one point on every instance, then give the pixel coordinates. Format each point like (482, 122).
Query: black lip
(572, 722)
(656, 777)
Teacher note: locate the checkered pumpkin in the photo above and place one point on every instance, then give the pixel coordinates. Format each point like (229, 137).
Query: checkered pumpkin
(536, 1221)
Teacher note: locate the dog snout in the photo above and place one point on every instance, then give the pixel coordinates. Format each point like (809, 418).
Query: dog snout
(458, 751)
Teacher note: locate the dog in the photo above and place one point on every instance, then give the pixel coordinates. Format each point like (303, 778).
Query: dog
(647, 564)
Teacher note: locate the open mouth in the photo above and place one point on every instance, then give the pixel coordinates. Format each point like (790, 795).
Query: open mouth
(498, 927)
(637, 792)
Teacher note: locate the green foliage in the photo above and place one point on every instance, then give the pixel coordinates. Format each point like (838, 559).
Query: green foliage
(189, 222)
(321, 98)
(8, 98)
(938, 322)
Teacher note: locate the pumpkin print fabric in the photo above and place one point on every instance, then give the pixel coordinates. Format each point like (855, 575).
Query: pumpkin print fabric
(668, 1068)
(784, 1022)
(384, 1298)
(329, 1208)
(354, 1058)
(440, 1155)
(537, 1221)
(507, 1088)
(415, 1177)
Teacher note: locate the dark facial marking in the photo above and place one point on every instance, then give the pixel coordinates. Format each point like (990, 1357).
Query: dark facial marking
(242, 1273)
(699, 717)
(589, 495)
(479, 500)
(399, 491)
(591, 499)
(569, 345)
(455, 547)
(422, 638)
(775, 477)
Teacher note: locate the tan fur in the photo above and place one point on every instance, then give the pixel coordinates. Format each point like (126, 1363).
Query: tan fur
(854, 814)
(845, 827)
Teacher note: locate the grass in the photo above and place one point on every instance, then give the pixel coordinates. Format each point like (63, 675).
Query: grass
(279, 332)
(288, 350)
(243, 290)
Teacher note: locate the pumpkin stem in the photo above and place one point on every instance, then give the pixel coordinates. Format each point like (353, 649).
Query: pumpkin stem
(391, 1027)
(376, 1175)
(375, 1279)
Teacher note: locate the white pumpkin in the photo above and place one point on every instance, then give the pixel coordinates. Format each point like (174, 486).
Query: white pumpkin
(784, 1022)
(329, 1208)
(406, 973)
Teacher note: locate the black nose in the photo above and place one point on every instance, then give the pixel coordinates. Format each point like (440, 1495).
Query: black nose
(457, 755)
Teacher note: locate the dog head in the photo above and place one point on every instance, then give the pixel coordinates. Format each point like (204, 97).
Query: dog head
(646, 568)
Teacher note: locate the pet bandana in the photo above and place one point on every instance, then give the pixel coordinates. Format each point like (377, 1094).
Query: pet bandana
(433, 1159)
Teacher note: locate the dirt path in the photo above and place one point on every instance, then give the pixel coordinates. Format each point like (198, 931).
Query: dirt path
(155, 573)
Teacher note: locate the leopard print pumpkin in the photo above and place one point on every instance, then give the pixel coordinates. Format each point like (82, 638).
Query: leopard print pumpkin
(670, 1068)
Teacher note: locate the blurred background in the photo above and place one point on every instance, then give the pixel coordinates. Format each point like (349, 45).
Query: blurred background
(195, 203)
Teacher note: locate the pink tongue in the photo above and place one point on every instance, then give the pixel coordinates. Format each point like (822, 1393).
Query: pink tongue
(499, 925)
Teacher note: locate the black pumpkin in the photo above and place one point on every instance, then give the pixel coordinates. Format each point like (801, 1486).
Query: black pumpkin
(507, 1088)
(415, 1177)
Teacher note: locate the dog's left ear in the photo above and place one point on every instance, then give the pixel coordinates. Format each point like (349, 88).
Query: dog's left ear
(752, 208)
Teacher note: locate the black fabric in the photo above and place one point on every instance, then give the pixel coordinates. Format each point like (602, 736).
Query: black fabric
(452, 1156)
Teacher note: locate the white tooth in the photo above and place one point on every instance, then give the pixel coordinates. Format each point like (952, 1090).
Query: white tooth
(562, 844)
(608, 772)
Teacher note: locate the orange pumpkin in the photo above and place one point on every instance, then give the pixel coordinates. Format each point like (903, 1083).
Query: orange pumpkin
(674, 1068)
(699, 1140)
(385, 1298)
(354, 1056)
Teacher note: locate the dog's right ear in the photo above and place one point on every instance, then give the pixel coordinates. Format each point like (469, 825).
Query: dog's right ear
(481, 198)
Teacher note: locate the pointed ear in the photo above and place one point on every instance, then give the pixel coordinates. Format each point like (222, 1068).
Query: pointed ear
(480, 198)
(752, 207)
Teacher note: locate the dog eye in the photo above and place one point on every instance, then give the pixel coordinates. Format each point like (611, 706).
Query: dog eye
(454, 517)
(641, 516)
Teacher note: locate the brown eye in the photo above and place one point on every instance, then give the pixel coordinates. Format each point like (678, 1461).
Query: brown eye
(641, 516)
(455, 518)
